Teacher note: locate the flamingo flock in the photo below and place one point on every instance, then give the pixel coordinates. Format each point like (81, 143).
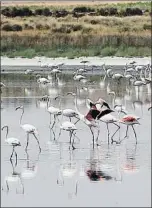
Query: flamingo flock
(97, 111)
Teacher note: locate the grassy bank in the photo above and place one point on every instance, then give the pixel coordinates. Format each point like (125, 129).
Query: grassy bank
(71, 37)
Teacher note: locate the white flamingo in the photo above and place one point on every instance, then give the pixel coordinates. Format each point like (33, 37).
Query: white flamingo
(12, 141)
(70, 127)
(28, 128)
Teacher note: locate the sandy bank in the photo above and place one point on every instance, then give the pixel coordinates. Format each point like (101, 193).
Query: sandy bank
(5, 61)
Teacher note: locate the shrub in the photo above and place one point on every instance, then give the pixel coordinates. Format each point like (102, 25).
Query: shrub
(14, 12)
(77, 27)
(42, 27)
(78, 15)
(44, 12)
(38, 12)
(7, 27)
(61, 13)
(103, 12)
(133, 11)
(6, 12)
(147, 27)
(94, 22)
(28, 27)
(108, 11)
(83, 9)
(15, 27)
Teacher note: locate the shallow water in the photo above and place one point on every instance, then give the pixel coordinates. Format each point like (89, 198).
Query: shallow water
(59, 176)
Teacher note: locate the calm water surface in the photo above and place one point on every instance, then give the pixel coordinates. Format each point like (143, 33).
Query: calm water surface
(59, 176)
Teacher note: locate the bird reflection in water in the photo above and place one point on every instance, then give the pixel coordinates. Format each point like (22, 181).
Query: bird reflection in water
(14, 177)
(30, 170)
(68, 170)
(96, 170)
(93, 173)
(130, 163)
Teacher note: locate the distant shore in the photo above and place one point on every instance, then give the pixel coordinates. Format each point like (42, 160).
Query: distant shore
(61, 29)
(63, 2)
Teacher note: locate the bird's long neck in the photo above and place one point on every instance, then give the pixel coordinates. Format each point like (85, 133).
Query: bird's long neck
(7, 131)
(48, 102)
(20, 122)
(76, 106)
(126, 67)
(104, 68)
(114, 98)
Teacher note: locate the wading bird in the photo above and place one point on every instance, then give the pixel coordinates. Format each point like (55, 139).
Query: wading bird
(53, 111)
(28, 128)
(70, 127)
(14, 142)
(91, 118)
(130, 121)
(42, 80)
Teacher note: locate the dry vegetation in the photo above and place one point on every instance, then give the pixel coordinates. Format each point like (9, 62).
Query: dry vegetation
(90, 34)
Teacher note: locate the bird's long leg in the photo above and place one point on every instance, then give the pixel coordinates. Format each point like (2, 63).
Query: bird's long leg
(12, 154)
(98, 132)
(126, 131)
(73, 143)
(58, 118)
(108, 132)
(70, 133)
(7, 186)
(16, 158)
(77, 120)
(76, 136)
(50, 118)
(134, 133)
(70, 119)
(59, 134)
(37, 141)
(92, 136)
(27, 141)
(126, 134)
(115, 132)
(54, 121)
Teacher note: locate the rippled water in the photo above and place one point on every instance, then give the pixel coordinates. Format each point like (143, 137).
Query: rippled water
(110, 175)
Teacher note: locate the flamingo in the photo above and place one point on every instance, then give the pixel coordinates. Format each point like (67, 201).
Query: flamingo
(107, 71)
(53, 111)
(130, 120)
(70, 113)
(117, 76)
(42, 80)
(81, 70)
(2, 85)
(110, 119)
(14, 142)
(28, 71)
(91, 118)
(28, 128)
(78, 77)
(70, 127)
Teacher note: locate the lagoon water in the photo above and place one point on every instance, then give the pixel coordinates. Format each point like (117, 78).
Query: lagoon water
(59, 176)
